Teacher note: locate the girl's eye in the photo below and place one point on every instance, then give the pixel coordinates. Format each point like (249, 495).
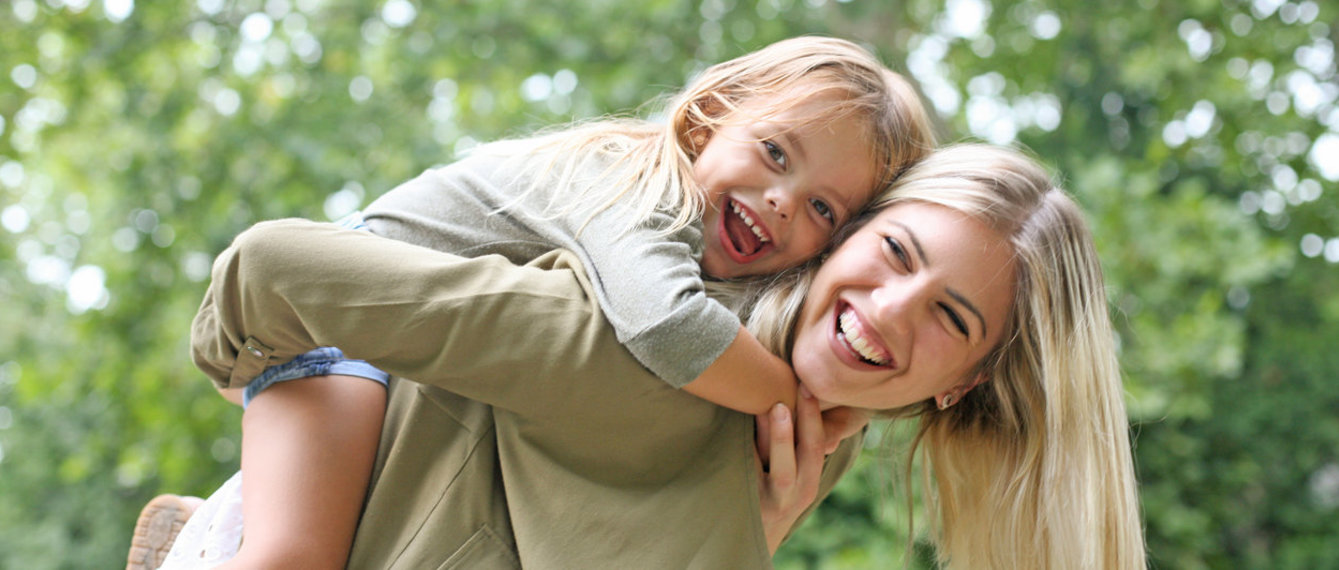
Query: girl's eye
(899, 252)
(824, 210)
(958, 322)
(775, 153)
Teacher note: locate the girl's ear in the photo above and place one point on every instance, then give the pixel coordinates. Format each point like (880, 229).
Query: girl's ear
(709, 109)
(711, 105)
(699, 138)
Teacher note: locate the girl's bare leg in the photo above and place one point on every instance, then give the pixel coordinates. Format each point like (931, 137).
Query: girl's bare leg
(308, 446)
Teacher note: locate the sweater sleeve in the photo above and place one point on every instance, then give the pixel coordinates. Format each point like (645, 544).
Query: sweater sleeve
(649, 284)
(285, 287)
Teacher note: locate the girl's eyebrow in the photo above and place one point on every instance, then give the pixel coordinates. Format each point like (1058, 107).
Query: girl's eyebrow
(925, 261)
(796, 143)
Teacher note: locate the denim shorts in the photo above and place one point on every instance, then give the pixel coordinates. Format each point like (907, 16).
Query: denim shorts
(320, 362)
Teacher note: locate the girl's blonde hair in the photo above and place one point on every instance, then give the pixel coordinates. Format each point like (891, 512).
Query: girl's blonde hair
(654, 160)
(1031, 469)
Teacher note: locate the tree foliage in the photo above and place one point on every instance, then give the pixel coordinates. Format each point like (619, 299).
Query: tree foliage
(1202, 137)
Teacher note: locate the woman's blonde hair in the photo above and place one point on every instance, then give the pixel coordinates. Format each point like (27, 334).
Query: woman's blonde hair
(1032, 468)
(653, 161)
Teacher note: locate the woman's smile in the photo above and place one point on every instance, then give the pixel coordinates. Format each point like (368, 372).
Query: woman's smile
(857, 343)
(904, 309)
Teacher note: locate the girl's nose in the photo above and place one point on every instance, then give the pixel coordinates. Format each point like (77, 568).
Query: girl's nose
(781, 202)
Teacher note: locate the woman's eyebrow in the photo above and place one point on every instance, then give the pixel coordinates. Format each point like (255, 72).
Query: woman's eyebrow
(970, 307)
(925, 261)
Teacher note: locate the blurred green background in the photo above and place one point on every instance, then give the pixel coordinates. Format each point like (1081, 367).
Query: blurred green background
(137, 138)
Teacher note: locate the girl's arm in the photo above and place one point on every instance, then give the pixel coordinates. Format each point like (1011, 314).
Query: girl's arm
(647, 279)
(746, 378)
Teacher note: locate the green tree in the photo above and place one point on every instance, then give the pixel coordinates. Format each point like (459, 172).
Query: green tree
(137, 139)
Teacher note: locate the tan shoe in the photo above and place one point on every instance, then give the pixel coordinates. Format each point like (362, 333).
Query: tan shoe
(156, 529)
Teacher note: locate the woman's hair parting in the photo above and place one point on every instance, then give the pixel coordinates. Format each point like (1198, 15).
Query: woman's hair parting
(1032, 468)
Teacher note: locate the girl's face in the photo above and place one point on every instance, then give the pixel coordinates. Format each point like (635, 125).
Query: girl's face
(778, 187)
(904, 309)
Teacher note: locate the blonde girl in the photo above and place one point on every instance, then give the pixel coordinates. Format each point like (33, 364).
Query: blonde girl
(754, 168)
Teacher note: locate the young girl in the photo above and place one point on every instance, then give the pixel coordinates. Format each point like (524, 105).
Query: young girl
(759, 161)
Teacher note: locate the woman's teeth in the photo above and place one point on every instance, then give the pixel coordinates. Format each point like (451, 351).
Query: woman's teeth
(851, 332)
(748, 221)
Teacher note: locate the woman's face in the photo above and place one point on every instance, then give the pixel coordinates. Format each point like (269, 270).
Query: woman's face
(904, 309)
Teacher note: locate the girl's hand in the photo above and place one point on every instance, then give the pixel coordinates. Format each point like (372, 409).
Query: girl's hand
(790, 460)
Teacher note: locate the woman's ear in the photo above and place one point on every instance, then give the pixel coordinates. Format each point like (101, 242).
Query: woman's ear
(977, 380)
(955, 394)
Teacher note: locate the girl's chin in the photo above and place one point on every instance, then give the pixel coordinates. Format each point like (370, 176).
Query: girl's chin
(716, 265)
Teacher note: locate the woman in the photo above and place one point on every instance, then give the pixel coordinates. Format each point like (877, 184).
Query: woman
(970, 298)
(1027, 450)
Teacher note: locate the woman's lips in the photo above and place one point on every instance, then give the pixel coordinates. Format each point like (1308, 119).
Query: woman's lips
(855, 343)
(743, 235)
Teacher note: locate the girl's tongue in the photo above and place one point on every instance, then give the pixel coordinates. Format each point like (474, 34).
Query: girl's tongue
(745, 236)
(741, 235)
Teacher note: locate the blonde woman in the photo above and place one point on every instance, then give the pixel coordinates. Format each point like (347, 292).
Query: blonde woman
(1026, 450)
(969, 300)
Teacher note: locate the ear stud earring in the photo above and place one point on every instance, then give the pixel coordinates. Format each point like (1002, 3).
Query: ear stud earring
(947, 401)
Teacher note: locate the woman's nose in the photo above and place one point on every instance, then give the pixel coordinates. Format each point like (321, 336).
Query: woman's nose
(898, 305)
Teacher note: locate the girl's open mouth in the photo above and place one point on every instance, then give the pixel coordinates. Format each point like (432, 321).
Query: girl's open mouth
(742, 233)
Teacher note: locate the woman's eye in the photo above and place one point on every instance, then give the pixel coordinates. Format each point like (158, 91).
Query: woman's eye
(953, 316)
(899, 252)
(775, 153)
(824, 210)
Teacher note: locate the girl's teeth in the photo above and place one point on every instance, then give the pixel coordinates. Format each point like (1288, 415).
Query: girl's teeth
(853, 337)
(749, 222)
